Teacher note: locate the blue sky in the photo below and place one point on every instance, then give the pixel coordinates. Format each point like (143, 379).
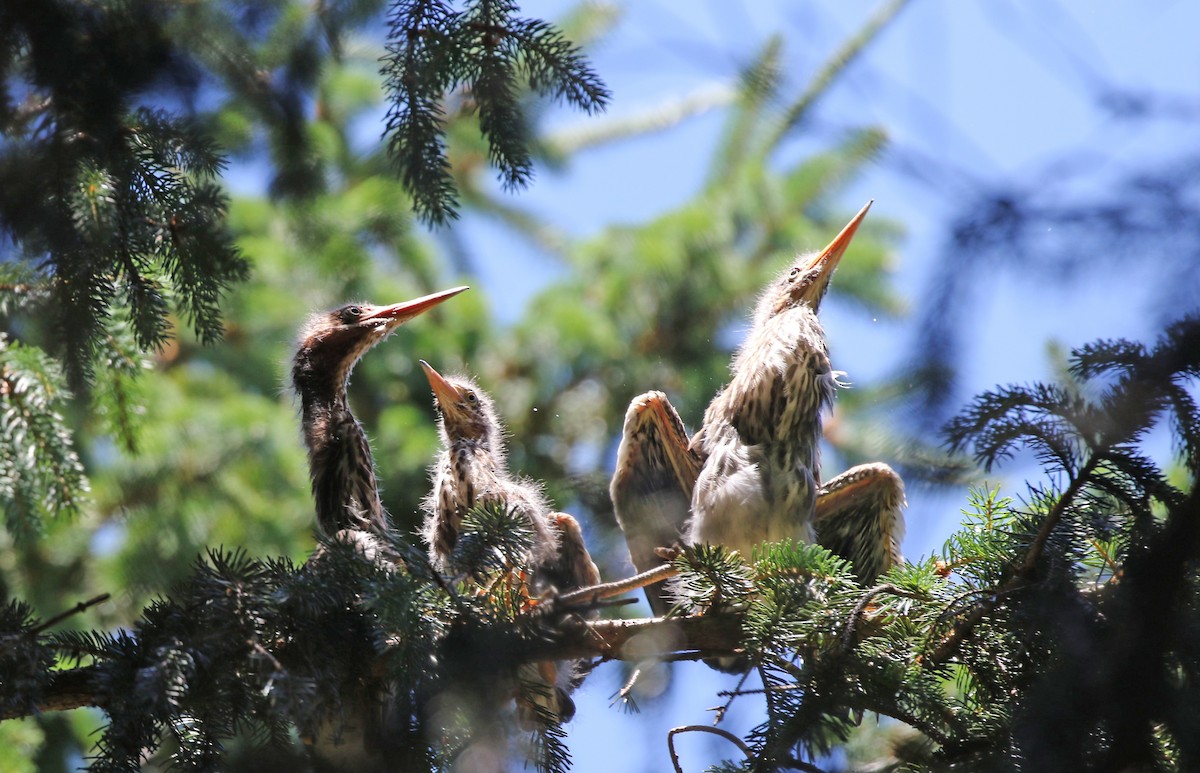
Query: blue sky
(995, 91)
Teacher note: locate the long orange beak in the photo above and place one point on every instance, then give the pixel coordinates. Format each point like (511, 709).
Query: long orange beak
(398, 313)
(828, 258)
(446, 394)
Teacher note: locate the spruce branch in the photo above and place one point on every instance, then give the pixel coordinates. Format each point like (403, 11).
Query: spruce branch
(973, 661)
(67, 690)
(1063, 423)
(839, 61)
(490, 57)
(601, 638)
(40, 473)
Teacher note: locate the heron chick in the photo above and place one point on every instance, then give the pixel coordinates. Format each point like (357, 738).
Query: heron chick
(761, 433)
(858, 514)
(339, 457)
(347, 501)
(471, 471)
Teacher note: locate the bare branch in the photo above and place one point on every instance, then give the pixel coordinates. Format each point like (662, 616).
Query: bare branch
(616, 588)
(75, 610)
(728, 736)
(71, 689)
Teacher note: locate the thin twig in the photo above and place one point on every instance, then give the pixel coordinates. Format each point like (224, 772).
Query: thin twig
(720, 711)
(777, 688)
(622, 695)
(659, 639)
(728, 736)
(436, 576)
(616, 588)
(1114, 568)
(861, 607)
(261, 650)
(75, 610)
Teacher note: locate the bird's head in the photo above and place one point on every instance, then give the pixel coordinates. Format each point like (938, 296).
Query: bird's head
(331, 342)
(466, 411)
(806, 280)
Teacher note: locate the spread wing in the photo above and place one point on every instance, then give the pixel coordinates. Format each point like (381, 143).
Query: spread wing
(652, 485)
(859, 516)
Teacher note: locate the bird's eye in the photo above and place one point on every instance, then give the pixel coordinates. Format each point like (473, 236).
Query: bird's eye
(351, 313)
(795, 272)
(471, 398)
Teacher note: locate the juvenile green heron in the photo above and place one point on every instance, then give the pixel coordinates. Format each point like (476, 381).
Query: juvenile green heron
(345, 491)
(339, 456)
(471, 470)
(758, 448)
(761, 432)
(858, 514)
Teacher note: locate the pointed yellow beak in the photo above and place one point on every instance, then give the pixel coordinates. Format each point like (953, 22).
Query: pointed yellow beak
(446, 394)
(398, 313)
(828, 258)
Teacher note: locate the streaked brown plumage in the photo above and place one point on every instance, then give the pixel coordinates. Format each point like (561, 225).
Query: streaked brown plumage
(652, 484)
(471, 471)
(859, 516)
(752, 472)
(347, 498)
(760, 436)
(339, 457)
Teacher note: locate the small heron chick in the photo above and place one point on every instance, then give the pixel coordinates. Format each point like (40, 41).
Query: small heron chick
(858, 515)
(472, 470)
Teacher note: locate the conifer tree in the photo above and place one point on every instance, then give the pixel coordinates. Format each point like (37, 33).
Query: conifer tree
(1019, 646)
(1057, 629)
